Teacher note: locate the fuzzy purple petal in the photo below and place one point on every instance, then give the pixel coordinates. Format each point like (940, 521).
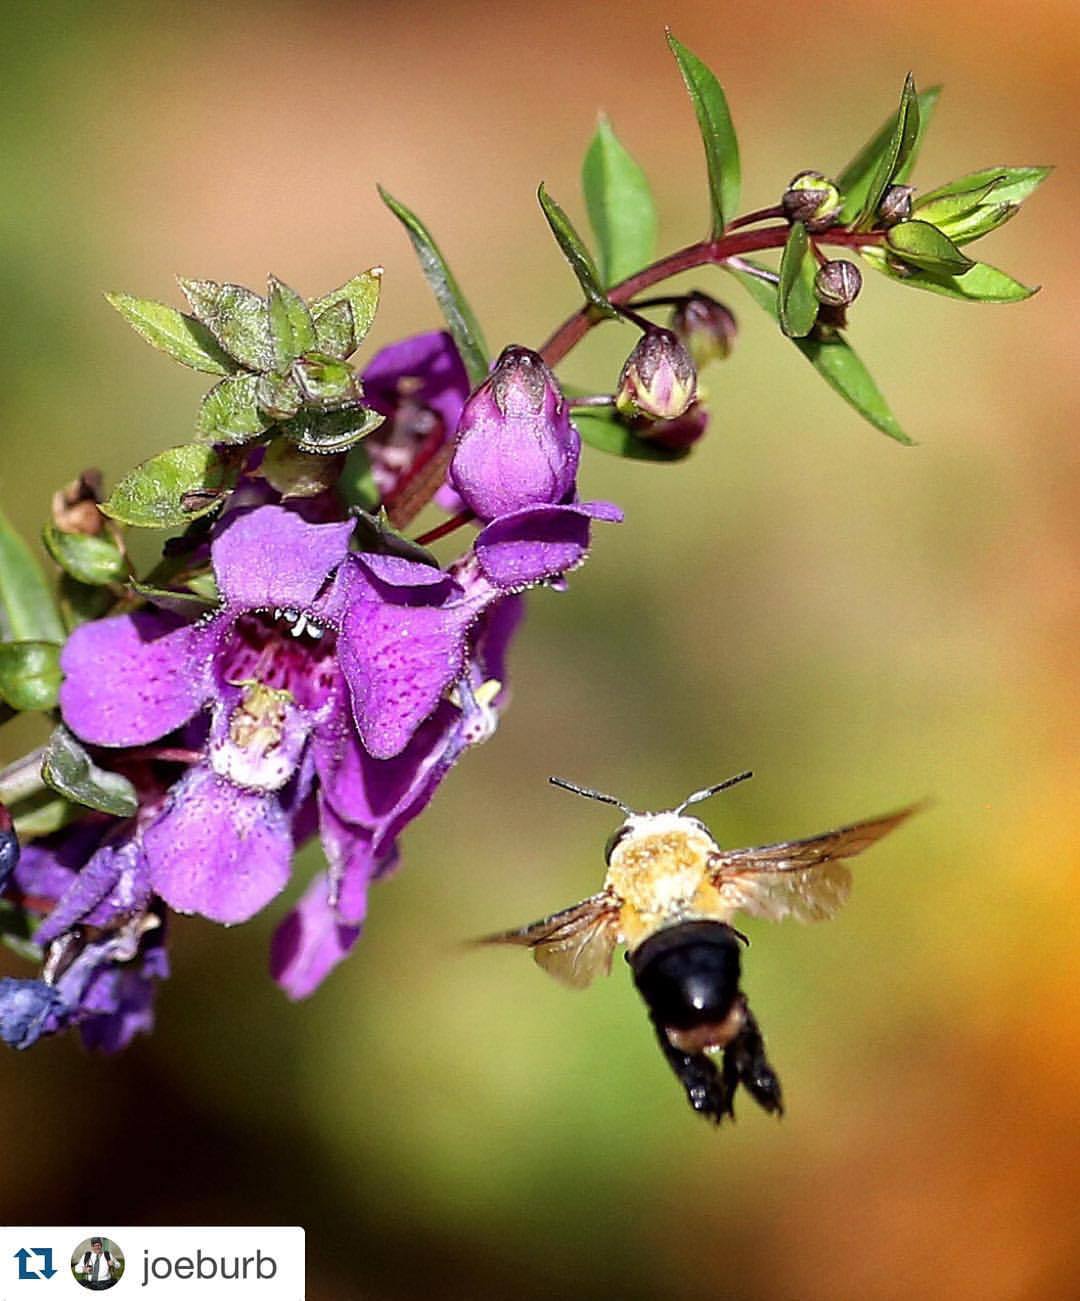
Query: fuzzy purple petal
(113, 884)
(218, 850)
(132, 679)
(538, 543)
(119, 1002)
(270, 557)
(350, 853)
(309, 943)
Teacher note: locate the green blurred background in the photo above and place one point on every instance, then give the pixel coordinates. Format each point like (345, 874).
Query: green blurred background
(861, 623)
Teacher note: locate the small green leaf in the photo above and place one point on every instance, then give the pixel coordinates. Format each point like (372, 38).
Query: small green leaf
(236, 317)
(173, 488)
(356, 484)
(27, 609)
(949, 207)
(374, 532)
(80, 603)
(278, 397)
(835, 361)
(981, 284)
(29, 674)
(291, 327)
(797, 306)
(41, 815)
(326, 380)
(295, 473)
(620, 206)
(856, 178)
(601, 428)
(921, 245)
(894, 158)
(91, 560)
(460, 320)
(575, 252)
(1009, 185)
(176, 600)
(717, 134)
(981, 221)
(361, 295)
(230, 412)
(183, 337)
(70, 771)
(330, 432)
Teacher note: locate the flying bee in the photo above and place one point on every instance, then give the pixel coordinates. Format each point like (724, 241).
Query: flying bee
(669, 896)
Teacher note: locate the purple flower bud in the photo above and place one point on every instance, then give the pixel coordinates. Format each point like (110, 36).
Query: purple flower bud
(812, 199)
(515, 446)
(706, 328)
(895, 205)
(837, 283)
(658, 380)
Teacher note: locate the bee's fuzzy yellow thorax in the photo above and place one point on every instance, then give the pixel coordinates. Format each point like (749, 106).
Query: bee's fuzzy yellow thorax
(658, 869)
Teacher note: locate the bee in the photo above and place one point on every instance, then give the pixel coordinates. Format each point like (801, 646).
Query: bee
(669, 896)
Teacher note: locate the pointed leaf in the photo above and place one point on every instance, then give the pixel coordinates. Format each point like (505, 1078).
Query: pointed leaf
(69, 770)
(855, 180)
(982, 284)
(460, 320)
(575, 252)
(27, 609)
(29, 674)
(95, 561)
(182, 337)
(361, 294)
(796, 305)
(981, 222)
(330, 432)
(921, 245)
(946, 208)
(180, 601)
(173, 488)
(620, 204)
(236, 317)
(894, 158)
(717, 134)
(602, 429)
(835, 360)
(291, 327)
(335, 330)
(41, 815)
(1010, 185)
(230, 412)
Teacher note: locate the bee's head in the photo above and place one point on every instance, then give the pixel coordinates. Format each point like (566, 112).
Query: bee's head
(688, 973)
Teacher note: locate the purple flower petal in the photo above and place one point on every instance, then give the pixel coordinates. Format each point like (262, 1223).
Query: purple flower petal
(270, 557)
(540, 542)
(113, 884)
(425, 369)
(119, 1001)
(349, 851)
(134, 678)
(218, 850)
(309, 943)
(398, 571)
(28, 1009)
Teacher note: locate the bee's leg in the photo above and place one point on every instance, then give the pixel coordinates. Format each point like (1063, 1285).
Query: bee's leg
(745, 1063)
(708, 1091)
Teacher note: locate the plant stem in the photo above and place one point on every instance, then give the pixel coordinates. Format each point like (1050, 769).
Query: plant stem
(445, 528)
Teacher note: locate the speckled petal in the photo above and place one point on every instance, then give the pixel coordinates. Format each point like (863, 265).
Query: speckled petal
(310, 942)
(538, 543)
(270, 557)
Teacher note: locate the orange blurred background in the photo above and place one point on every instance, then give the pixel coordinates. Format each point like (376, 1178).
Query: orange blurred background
(862, 623)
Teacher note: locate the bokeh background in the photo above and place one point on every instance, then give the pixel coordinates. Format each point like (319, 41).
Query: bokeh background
(863, 624)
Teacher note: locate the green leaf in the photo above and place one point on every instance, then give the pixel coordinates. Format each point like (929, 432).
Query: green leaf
(236, 317)
(356, 484)
(92, 560)
(948, 208)
(620, 206)
(291, 327)
(278, 397)
(29, 674)
(361, 295)
(460, 320)
(981, 284)
(601, 428)
(28, 610)
(330, 432)
(575, 252)
(295, 473)
(70, 771)
(173, 488)
(979, 222)
(230, 412)
(856, 178)
(893, 159)
(1008, 184)
(41, 815)
(717, 134)
(921, 245)
(796, 304)
(326, 380)
(176, 600)
(835, 361)
(16, 932)
(183, 337)
(80, 603)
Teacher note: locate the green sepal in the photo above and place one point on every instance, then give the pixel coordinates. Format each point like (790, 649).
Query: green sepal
(27, 606)
(236, 317)
(835, 361)
(983, 283)
(620, 205)
(70, 771)
(796, 303)
(291, 328)
(330, 432)
(918, 244)
(356, 486)
(332, 330)
(174, 487)
(602, 429)
(1009, 185)
(717, 135)
(296, 473)
(95, 561)
(29, 674)
(180, 336)
(576, 253)
(857, 177)
(460, 321)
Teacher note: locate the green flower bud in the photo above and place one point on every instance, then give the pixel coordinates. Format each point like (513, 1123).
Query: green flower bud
(659, 378)
(814, 200)
(705, 327)
(895, 205)
(837, 284)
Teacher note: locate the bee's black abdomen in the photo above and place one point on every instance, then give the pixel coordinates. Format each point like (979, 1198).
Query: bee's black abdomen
(688, 974)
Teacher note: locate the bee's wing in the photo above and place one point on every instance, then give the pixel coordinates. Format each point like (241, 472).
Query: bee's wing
(804, 879)
(574, 945)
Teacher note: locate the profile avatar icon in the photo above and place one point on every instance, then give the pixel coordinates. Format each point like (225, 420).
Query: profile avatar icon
(97, 1263)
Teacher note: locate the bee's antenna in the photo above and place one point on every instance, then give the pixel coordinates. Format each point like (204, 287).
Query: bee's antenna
(591, 794)
(698, 796)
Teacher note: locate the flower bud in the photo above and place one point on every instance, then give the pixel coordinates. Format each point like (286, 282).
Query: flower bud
(705, 327)
(75, 508)
(812, 199)
(515, 444)
(659, 379)
(677, 435)
(895, 205)
(837, 284)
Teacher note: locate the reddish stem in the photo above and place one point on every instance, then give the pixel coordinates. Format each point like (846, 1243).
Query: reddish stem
(445, 528)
